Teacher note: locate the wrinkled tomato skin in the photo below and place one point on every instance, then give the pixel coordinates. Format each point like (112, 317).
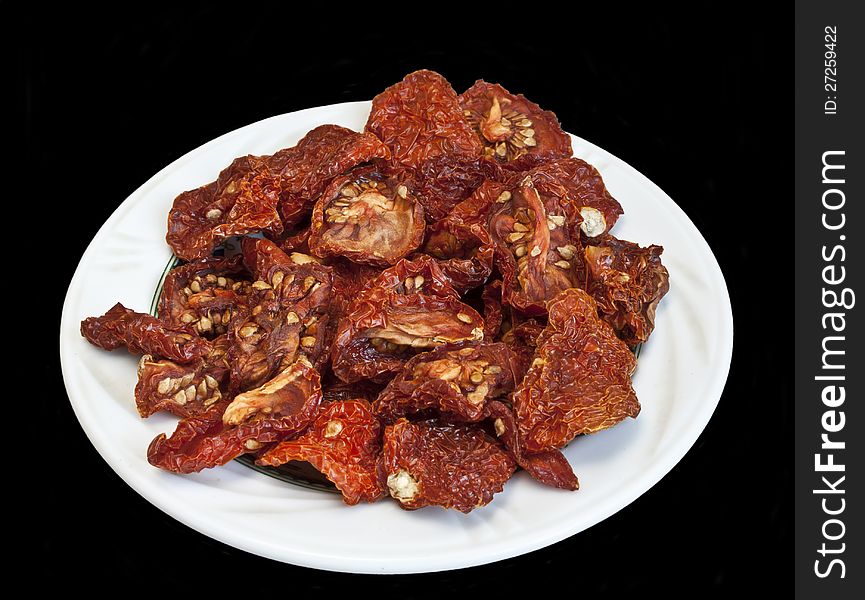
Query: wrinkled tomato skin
(420, 118)
(343, 443)
(457, 467)
(580, 378)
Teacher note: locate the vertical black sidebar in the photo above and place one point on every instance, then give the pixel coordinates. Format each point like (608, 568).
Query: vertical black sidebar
(830, 300)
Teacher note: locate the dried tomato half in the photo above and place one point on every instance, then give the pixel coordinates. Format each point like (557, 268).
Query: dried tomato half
(367, 217)
(420, 118)
(204, 295)
(515, 132)
(627, 282)
(242, 200)
(307, 168)
(282, 407)
(452, 466)
(287, 318)
(421, 274)
(580, 184)
(456, 382)
(383, 328)
(183, 390)
(143, 334)
(343, 443)
(471, 271)
(466, 227)
(535, 232)
(580, 379)
(443, 181)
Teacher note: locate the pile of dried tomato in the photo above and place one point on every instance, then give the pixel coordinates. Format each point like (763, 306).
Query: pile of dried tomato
(429, 304)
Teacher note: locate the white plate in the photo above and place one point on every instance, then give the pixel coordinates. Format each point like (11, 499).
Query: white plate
(681, 374)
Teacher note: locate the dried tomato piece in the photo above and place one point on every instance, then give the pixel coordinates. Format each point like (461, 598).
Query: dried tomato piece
(421, 274)
(420, 118)
(288, 314)
(580, 379)
(456, 382)
(458, 467)
(242, 200)
(343, 443)
(143, 334)
(535, 233)
(183, 390)
(515, 132)
(307, 168)
(348, 280)
(368, 217)
(383, 328)
(443, 181)
(204, 295)
(581, 185)
(627, 282)
(282, 407)
(471, 271)
(466, 228)
(549, 468)
(534, 229)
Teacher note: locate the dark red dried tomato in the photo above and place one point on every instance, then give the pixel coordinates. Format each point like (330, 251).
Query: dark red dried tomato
(627, 282)
(580, 379)
(579, 183)
(458, 467)
(421, 274)
(242, 200)
(143, 334)
(420, 118)
(515, 132)
(368, 217)
(324, 153)
(384, 327)
(204, 295)
(549, 468)
(457, 382)
(348, 280)
(282, 407)
(443, 181)
(183, 390)
(534, 231)
(466, 228)
(343, 443)
(287, 318)
(471, 271)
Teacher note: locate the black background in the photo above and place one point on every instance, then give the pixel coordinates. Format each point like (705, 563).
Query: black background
(700, 102)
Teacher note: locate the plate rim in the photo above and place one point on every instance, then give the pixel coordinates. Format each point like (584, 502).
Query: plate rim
(622, 497)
